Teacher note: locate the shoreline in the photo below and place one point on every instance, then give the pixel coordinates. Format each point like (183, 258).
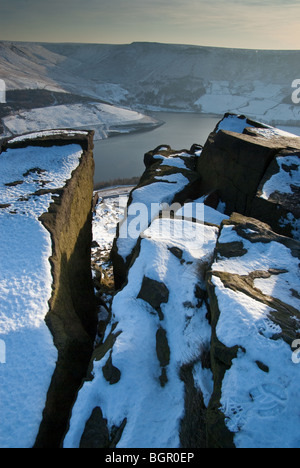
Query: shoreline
(112, 192)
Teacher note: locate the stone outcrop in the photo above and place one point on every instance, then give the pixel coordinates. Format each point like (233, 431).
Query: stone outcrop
(72, 317)
(249, 291)
(239, 158)
(237, 165)
(170, 177)
(277, 198)
(155, 342)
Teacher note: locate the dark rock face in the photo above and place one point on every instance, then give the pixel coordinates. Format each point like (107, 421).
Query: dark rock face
(110, 372)
(96, 434)
(163, 354)
(154, 293)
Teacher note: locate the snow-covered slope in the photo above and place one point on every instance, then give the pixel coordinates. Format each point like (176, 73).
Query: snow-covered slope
(104, 119)
(26, 66)
(161, 76)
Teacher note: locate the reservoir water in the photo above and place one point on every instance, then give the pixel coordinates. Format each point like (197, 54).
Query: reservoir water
(123, 156)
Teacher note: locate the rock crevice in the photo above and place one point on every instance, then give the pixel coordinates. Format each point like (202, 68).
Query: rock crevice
(72, 310)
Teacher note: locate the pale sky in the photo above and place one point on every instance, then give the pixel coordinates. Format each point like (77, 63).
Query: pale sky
(252, 24)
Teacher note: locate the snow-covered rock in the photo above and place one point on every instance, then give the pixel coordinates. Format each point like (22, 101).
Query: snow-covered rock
(277, 199)
(169, 176)
(199, 346)
(40, 179)
(159, 327)
(255, 319)
(254, 169)
(200, 349)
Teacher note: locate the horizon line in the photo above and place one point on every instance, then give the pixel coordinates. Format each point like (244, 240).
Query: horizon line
(146, 42)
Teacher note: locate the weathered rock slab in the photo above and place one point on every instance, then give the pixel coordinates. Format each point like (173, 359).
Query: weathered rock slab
(255, 321)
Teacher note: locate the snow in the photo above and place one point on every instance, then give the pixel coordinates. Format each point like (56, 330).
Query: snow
(203, 379)
(174, 161)
(271, 132)
(146, 204)
(25, 287)
(284, 180)
(233, 123)
(281, 286)
(263, 102)
(199, 211)
(219, 104)
(261, 408)
(153, 412)
(109, 212)
(287, 113)
(259, 256)
(111, 92)
(238, 123)
(33, 136)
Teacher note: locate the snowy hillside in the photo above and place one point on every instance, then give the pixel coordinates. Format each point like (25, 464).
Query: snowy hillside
(161, 76)
(104, 119)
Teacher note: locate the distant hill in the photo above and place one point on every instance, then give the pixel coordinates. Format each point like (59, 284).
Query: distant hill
(161, 76)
